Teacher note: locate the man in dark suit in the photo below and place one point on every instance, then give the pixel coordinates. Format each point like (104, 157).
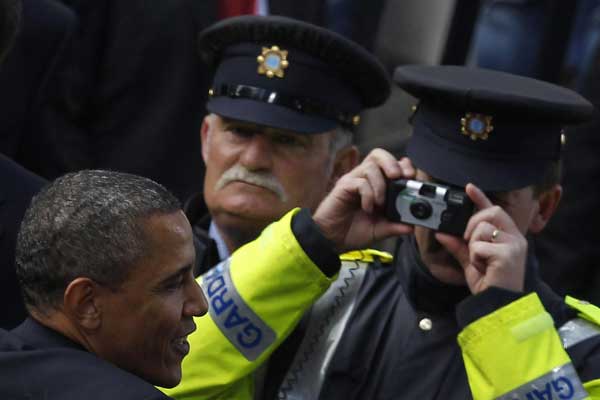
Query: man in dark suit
(105, 264)
(17, 188)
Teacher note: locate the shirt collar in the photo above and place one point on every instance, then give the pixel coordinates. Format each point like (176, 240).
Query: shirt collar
(214, 234)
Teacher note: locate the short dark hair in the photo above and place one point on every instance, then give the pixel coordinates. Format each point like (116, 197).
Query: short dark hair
(10, 15)
(552, 176)
(86, 224)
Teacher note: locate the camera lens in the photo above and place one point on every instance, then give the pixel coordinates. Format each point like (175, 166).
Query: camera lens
(420, 209)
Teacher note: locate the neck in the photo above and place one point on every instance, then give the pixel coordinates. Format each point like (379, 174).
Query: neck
(236, 231)
(236, 238)
(59, 322)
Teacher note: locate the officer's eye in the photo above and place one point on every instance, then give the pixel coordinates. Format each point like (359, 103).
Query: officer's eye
(240, 131)
(288, 140)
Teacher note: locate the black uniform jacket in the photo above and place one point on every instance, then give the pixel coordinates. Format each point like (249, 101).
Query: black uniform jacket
(39, 363)
(17, 187)
(384, 354)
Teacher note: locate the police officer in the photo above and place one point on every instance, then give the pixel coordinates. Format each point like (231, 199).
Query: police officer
(516, 339)
(468, 316)
(284, 100)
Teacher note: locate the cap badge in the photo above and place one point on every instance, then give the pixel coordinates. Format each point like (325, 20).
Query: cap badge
(476, 126)
(563, 138)
(272, 62)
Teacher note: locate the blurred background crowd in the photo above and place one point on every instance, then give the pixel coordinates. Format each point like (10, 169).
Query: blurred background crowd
(118, 84)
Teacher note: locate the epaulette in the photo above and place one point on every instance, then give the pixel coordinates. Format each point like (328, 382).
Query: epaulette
(367, 255)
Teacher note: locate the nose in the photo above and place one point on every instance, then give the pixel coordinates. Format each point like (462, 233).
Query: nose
(257, 154)
(196, 304)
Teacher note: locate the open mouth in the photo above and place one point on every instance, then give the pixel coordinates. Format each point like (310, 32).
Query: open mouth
(181, 346)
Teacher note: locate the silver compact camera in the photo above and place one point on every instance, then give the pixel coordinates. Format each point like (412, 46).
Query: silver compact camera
(438, 207)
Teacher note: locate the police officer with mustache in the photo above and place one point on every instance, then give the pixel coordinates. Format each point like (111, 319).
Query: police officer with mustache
(284, 101)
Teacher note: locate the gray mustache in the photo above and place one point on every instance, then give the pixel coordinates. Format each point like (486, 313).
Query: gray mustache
(262, 179)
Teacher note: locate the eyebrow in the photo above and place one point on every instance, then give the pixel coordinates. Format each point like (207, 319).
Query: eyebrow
(174, 276)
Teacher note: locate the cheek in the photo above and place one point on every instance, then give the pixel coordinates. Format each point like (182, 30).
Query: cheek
(215, 166)
(220, 152)
(169, 313)
(524, 215)
(161, 326)
(306, 188)
(161, 322)
(307, 175)
(524, 218)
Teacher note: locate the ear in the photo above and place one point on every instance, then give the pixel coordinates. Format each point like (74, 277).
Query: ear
(548, 202)
(204, 135)
(345, 160)
(82, 303)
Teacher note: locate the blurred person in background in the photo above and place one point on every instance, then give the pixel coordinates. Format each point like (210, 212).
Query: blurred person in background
(18, 185)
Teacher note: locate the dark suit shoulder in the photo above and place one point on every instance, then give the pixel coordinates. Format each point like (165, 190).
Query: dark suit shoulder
(18, 187)
(65, 373)
(18, 182)
(48, 16)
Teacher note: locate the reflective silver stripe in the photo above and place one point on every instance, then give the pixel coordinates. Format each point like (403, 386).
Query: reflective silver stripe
(560, 383)
(240, 325)
(576, 331)
(326, 323)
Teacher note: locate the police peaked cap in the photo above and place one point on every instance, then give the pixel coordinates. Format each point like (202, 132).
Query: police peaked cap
(288, 74)
(497, 130)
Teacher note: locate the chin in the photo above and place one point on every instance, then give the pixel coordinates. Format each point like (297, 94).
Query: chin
(445, 268)
(450, 276)
(169, 380)
(245, 221)
(255, 217)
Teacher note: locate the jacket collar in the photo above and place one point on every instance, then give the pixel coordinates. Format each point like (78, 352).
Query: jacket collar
(423, 290)
(426, 293)
(207, 253)
(35, 335)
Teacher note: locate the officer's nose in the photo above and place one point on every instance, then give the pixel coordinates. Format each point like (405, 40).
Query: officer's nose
(258, 153)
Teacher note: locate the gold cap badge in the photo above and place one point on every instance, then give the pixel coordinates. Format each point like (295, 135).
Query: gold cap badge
(272, 62)
(476, 126)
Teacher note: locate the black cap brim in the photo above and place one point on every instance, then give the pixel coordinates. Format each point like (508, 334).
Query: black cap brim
(458, 169)
(269, 115)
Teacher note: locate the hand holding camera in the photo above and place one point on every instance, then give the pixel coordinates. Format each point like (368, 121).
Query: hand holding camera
(492, 251)
(352, 215)
(380, 198)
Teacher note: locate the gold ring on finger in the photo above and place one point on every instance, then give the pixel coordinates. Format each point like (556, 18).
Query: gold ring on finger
(495, 234)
